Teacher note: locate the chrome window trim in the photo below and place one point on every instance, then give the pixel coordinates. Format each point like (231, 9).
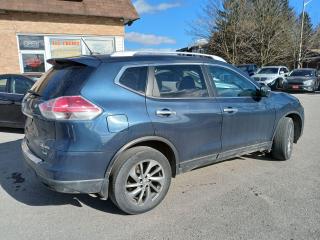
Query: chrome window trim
(197, 98)
(20, 94)
(124, 68)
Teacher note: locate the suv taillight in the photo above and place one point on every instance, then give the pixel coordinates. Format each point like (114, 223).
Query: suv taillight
(69, 108)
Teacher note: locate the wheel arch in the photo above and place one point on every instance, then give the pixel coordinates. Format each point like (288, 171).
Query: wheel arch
(298, 124)
(159, 143)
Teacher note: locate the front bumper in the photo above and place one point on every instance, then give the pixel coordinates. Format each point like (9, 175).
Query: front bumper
(292, 87)
(270, 83)
(45, 173)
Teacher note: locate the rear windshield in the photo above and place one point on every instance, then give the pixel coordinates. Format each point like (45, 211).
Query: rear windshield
(62, 81)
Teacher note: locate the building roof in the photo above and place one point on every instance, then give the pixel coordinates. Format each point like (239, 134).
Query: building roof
(100, 8)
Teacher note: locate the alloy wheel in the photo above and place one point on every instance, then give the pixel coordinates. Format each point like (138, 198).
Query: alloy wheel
(145, 182)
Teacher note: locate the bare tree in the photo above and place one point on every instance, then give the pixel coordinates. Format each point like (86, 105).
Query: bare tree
(251, 31)
(316, 39)
(204, 25)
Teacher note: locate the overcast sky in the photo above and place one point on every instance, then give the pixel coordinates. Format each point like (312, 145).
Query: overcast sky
(163, 24)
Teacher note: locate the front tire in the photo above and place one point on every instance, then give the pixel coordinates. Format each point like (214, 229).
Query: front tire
(283, 140)
(140, 180)
(279, 84)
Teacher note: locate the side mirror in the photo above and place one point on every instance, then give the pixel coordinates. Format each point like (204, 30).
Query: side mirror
(264, 91)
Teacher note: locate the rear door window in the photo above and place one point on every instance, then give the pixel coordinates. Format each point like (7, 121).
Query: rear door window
(3, 84)
(135, 78)
(20, 85)
(62, 81)
(179, 81)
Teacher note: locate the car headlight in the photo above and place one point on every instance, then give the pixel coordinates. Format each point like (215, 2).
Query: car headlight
(308, 82)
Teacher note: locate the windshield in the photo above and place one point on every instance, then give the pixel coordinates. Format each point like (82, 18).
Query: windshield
(302, 73)
(268, 71)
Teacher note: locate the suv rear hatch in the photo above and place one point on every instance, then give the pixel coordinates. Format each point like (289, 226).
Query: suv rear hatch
(65, 78)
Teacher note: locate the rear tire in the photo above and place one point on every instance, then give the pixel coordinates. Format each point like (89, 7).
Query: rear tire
(283, 140)
(140, 180)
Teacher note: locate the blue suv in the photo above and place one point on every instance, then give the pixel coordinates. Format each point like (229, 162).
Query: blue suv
(122, 125)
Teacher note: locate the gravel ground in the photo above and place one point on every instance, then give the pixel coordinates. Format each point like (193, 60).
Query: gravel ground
(251, 197)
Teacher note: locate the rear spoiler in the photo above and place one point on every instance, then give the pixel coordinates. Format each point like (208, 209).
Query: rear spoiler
(76, 61)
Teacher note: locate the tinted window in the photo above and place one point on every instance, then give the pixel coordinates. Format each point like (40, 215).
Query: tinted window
(3, 84)
(20, 85)
(135, 78)
(230, 84)
(179, 81)
(62, 80)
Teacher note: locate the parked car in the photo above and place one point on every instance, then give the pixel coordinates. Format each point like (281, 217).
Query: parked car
(12, 89)
(272, 76)
(303, 79)
(250, 69)
(123, 125)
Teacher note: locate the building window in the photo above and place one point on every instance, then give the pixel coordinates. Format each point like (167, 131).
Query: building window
(35, 50)
(32, 53)
(99, 46)
(33, 62)
(31, 42)
(61, 48)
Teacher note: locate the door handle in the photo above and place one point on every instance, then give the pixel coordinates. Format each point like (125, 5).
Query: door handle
(230, 110)
(165, 113)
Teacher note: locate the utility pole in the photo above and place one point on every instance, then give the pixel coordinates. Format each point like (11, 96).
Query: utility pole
(305, 3)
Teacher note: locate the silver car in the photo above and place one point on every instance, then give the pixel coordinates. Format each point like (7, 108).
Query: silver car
(272, 76)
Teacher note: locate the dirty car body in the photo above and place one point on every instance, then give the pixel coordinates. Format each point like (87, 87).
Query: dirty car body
(136, 101)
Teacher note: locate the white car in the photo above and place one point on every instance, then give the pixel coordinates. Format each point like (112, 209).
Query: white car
(272, 76)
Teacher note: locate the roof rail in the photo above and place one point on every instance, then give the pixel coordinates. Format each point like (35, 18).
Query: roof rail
(137, 53)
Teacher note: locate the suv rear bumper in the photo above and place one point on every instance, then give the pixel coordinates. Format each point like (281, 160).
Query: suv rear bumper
(71, 186)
